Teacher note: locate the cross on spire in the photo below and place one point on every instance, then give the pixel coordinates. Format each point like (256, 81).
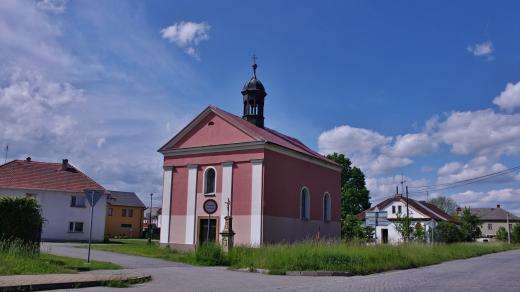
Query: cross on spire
(254, 57)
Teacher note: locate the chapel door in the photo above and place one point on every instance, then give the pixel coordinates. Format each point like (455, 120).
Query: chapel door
(204, 235)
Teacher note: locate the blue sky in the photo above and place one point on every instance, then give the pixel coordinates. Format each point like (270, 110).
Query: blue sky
(427, 89)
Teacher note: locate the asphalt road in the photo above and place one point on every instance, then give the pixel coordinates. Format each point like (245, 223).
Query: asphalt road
(496, 272)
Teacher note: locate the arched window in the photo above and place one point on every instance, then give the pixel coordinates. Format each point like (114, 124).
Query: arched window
(305, 204)
(326, 208)
(209, 180)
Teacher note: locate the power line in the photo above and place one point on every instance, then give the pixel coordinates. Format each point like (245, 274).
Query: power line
(444, 186)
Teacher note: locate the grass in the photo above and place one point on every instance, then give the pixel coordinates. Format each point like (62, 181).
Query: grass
(17, 259)
(312, 256)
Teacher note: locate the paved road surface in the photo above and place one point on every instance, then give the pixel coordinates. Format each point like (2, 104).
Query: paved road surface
(495, 272)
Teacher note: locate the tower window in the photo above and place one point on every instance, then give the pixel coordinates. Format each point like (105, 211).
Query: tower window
(209, 180)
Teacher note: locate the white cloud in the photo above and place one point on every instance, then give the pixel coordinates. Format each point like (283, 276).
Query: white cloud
(412, 144)
(484, 49)
(509, 99)
(187, 35)
(384, 187)
(507, 198)
(481, 133)
(450, 168)
(478, 166)
(55, 6)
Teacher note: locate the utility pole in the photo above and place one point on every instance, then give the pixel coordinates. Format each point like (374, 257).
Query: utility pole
(407, 216)
(150, 220)
(6, 150)
(508, 229)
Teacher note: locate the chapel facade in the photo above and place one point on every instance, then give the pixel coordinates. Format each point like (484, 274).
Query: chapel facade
(279, 189)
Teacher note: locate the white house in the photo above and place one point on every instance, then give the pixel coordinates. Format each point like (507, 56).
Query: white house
(59, 190)
(387, 212)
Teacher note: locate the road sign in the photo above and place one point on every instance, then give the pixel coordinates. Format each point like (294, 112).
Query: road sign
(376, 219)
(210, 206)
(93, 196)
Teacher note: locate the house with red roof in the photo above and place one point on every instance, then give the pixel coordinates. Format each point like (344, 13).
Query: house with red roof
(59, 190)
(383, 216)
(279, 189)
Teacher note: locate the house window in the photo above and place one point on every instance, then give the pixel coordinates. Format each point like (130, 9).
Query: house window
(209, 180)
(126, 225)
(130, 212)
(399, 209)
(123, 212)
(110, 211)
(304, 204)
(76, 227)
(393, 209)
(490, 226)
(326, 208)
(77, 201)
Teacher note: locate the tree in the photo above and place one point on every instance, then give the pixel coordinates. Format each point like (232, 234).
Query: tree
(418, 232)
(446, 204)
(352, 229)
(447, 232)
(470, 228)
(502, 234)
(355, 197)
(403, 225)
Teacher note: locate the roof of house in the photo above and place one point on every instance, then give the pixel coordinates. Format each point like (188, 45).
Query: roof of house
(260, 134)
(423, 207)
(155, 211)
(129, 199)
(34, 175)
(493, 214)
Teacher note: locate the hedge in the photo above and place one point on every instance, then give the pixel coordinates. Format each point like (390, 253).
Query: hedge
(20, 219)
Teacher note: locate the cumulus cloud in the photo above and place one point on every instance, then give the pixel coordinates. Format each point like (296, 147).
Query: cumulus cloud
(509, 99)
(187, 35)
(484, 49)
(507, 198)
(384, 187)
(479, 166)
(55, 6)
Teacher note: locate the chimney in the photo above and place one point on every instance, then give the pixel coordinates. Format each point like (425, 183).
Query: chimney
(64, 164)
(28, 159)
(498, 206)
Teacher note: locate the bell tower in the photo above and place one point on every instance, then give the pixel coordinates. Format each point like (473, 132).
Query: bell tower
(254, 95)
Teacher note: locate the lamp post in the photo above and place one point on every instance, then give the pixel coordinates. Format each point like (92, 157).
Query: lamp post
(150, 220)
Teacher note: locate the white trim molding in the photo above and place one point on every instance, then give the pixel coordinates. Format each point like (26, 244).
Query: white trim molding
(166, 203)
(256, 201)
(227, 186)
(191, 204)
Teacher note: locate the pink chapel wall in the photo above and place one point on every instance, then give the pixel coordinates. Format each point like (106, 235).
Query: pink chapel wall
(218, 133)
(284, 177)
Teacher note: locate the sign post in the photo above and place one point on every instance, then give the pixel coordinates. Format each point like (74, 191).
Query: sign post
(210, 207)
(93, 197)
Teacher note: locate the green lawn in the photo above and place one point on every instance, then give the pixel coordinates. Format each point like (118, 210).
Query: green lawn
(358, 259)
(16, 260)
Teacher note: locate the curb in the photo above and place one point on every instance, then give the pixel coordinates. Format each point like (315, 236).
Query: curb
(297, 273)
(76, 284)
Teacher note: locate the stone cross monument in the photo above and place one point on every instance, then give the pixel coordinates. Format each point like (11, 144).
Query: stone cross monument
(227, 234)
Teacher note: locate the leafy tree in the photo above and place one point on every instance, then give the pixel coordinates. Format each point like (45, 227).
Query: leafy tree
(470, 228)
(355, 197)
(403, 225)
(502, 234)
(447, 232)
(352, 229)
(418, 232)
(515, 233)
(446, 204)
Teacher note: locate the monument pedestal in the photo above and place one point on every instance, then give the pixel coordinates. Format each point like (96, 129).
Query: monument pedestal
(227, 234)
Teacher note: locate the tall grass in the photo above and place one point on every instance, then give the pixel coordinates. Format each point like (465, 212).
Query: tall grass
(358, 259)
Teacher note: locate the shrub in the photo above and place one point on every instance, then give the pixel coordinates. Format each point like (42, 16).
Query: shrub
(502, 234)
(21, 220)
(470, 229)
(515, 233)
(447, 232)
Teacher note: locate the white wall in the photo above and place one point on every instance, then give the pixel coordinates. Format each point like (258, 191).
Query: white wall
(57, 213)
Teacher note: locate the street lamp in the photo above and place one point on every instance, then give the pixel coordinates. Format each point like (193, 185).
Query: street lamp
(150, 220)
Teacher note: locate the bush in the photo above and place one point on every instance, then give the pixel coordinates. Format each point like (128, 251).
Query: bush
(502, 234)
(447, 232)
(515, 233)
(469, 228)
(21, 220)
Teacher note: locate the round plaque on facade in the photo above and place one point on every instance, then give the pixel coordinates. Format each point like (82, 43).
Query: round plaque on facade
(210, 206)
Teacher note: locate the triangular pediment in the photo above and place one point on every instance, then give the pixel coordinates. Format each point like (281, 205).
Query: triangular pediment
(208, 129)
